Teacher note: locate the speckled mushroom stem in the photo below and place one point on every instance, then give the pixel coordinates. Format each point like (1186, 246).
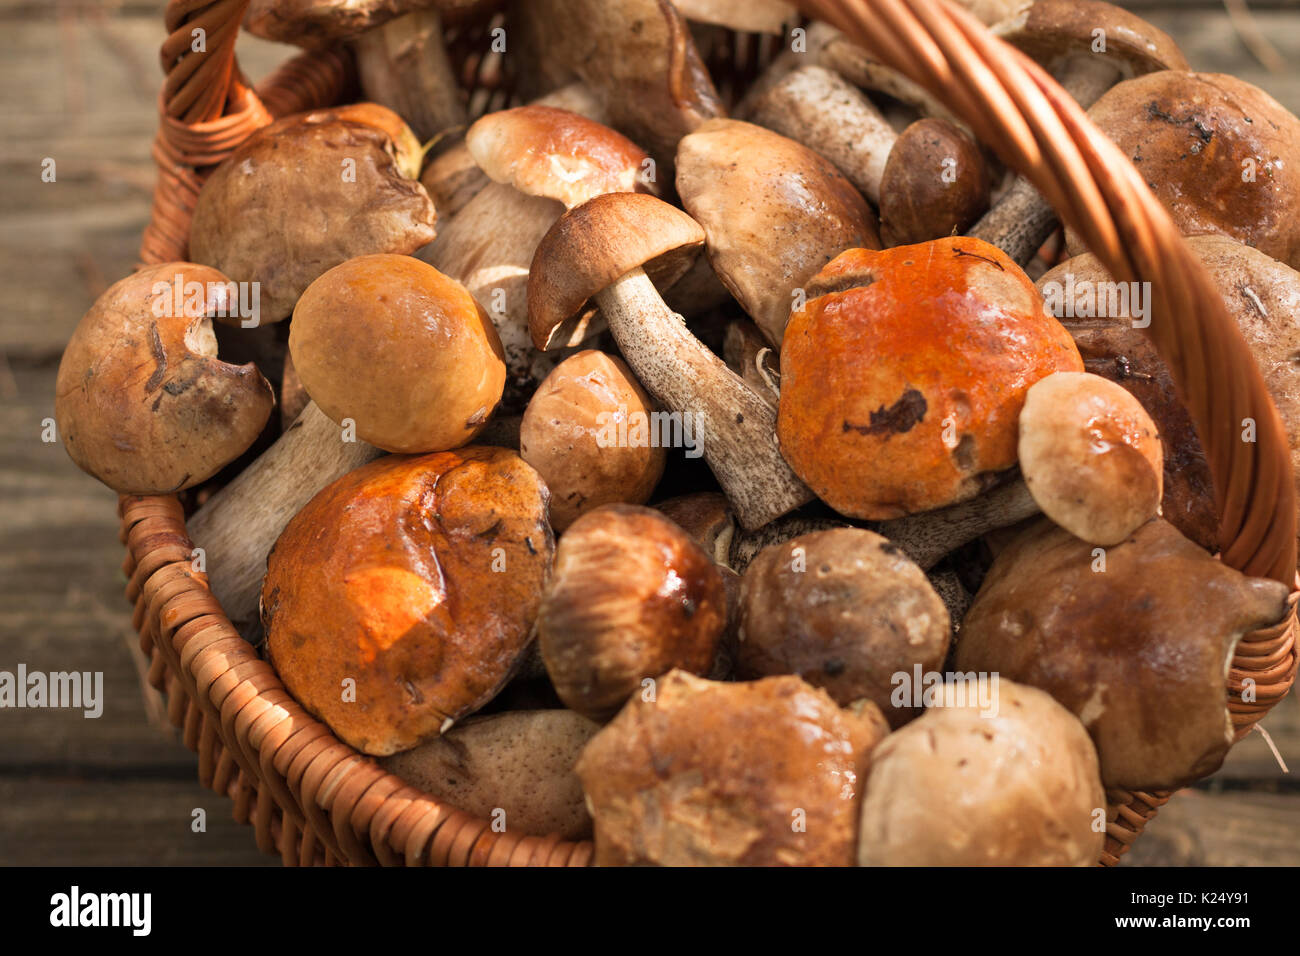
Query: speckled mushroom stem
(403, 65)
(737, 428)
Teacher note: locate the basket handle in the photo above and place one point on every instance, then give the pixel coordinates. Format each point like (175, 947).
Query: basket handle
(1038, 130)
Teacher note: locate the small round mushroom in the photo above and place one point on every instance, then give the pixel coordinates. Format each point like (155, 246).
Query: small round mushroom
(1008, 781)
(404, 595)
(935, 184)
(1090, 455)
(846, 611)
(587, 432)
(399, 348)
(763, 773)
(141, 399)
(345, 168)
(1134, 639)
(631, 597)
(516, 767)
(903, 377)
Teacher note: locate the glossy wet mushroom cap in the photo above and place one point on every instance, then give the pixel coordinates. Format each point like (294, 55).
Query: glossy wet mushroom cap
(631, 597)
(142, 401)
(1010, 780)
(589, 433)
(404, 595)
(935, 184)
(1135, 641)
(903, 377)
(1090, 455)
(400, 349)
(761, 773)
(845, 610)
(1050, 31)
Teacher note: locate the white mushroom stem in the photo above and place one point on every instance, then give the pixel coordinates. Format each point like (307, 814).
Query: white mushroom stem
(927, 538)
(865, 72)
(824, 112)
(403, 65)
(736, 428)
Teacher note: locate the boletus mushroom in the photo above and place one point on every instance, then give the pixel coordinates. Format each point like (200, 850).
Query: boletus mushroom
(1010, 780)
(762, 773)
(903, 376)
(631, 597)
(1135, 640)
(845, 610)
(142, 401)
(404, 595)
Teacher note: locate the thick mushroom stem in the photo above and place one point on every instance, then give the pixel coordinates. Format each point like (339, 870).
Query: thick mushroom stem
(735, 427)
(403, 65)
(929, 537)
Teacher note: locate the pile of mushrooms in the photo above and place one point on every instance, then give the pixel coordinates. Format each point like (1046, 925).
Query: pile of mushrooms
(701, 471)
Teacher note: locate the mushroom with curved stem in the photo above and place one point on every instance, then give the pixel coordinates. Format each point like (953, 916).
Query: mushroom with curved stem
(603, 250)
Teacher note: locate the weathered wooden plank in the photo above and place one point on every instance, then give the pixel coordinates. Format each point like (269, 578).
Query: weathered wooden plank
(1203, 828)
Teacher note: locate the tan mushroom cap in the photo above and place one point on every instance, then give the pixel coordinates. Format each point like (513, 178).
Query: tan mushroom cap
(141, 399)
(1090, 455)
(1049, 30)
(712, 773)
(571, 435)
(1217, 151)
(593, 245)
(1012, 784)
(416, 577)
(400, 349)
(332, 183)
(317, 23)
(845, 610)
(1135, 641)
(744, 16)
(555, 153)
(774, 212)
(631, 597)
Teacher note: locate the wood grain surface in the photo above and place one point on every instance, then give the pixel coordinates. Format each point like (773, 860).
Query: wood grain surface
(81, 79)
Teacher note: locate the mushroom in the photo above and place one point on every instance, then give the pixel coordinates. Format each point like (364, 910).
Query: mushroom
(515, 768)
(961, 786)
(142, 401)
(1135, 640)
(706, 516)
(353, 167)
(1090, 455)
(631, 597)
(1105, 319)
(741, 16)
(899, 394)
(1216, 150)
(587, 431)
(747, 354)
(401, 60)
(403, 596)
(846, 611)
(771, 222)
(427, 371)
(763, 773)
(614, 248)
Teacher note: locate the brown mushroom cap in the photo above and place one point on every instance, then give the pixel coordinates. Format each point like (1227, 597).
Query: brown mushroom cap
(722, 774)
(743, 16)
(962, 787)
(555, 153)
(331, 183)
(1050, 30)
(570, 434)
(903, 378)
(707, 517)
(519, 763)
(405, 352)
(1135, 642)
(317, 23)
(593, 245)
(418, 578)
(631, 597)
(935, 184)
(846, 611)
(772, 220)
(1090, 455)
(142, 401)
(1217, 151)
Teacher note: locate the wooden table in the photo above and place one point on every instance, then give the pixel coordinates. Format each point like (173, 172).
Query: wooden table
(81, 81)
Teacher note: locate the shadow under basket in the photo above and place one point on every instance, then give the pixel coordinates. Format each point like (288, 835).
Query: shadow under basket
(315, 800)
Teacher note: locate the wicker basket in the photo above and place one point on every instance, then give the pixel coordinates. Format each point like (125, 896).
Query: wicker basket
(312, 798)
